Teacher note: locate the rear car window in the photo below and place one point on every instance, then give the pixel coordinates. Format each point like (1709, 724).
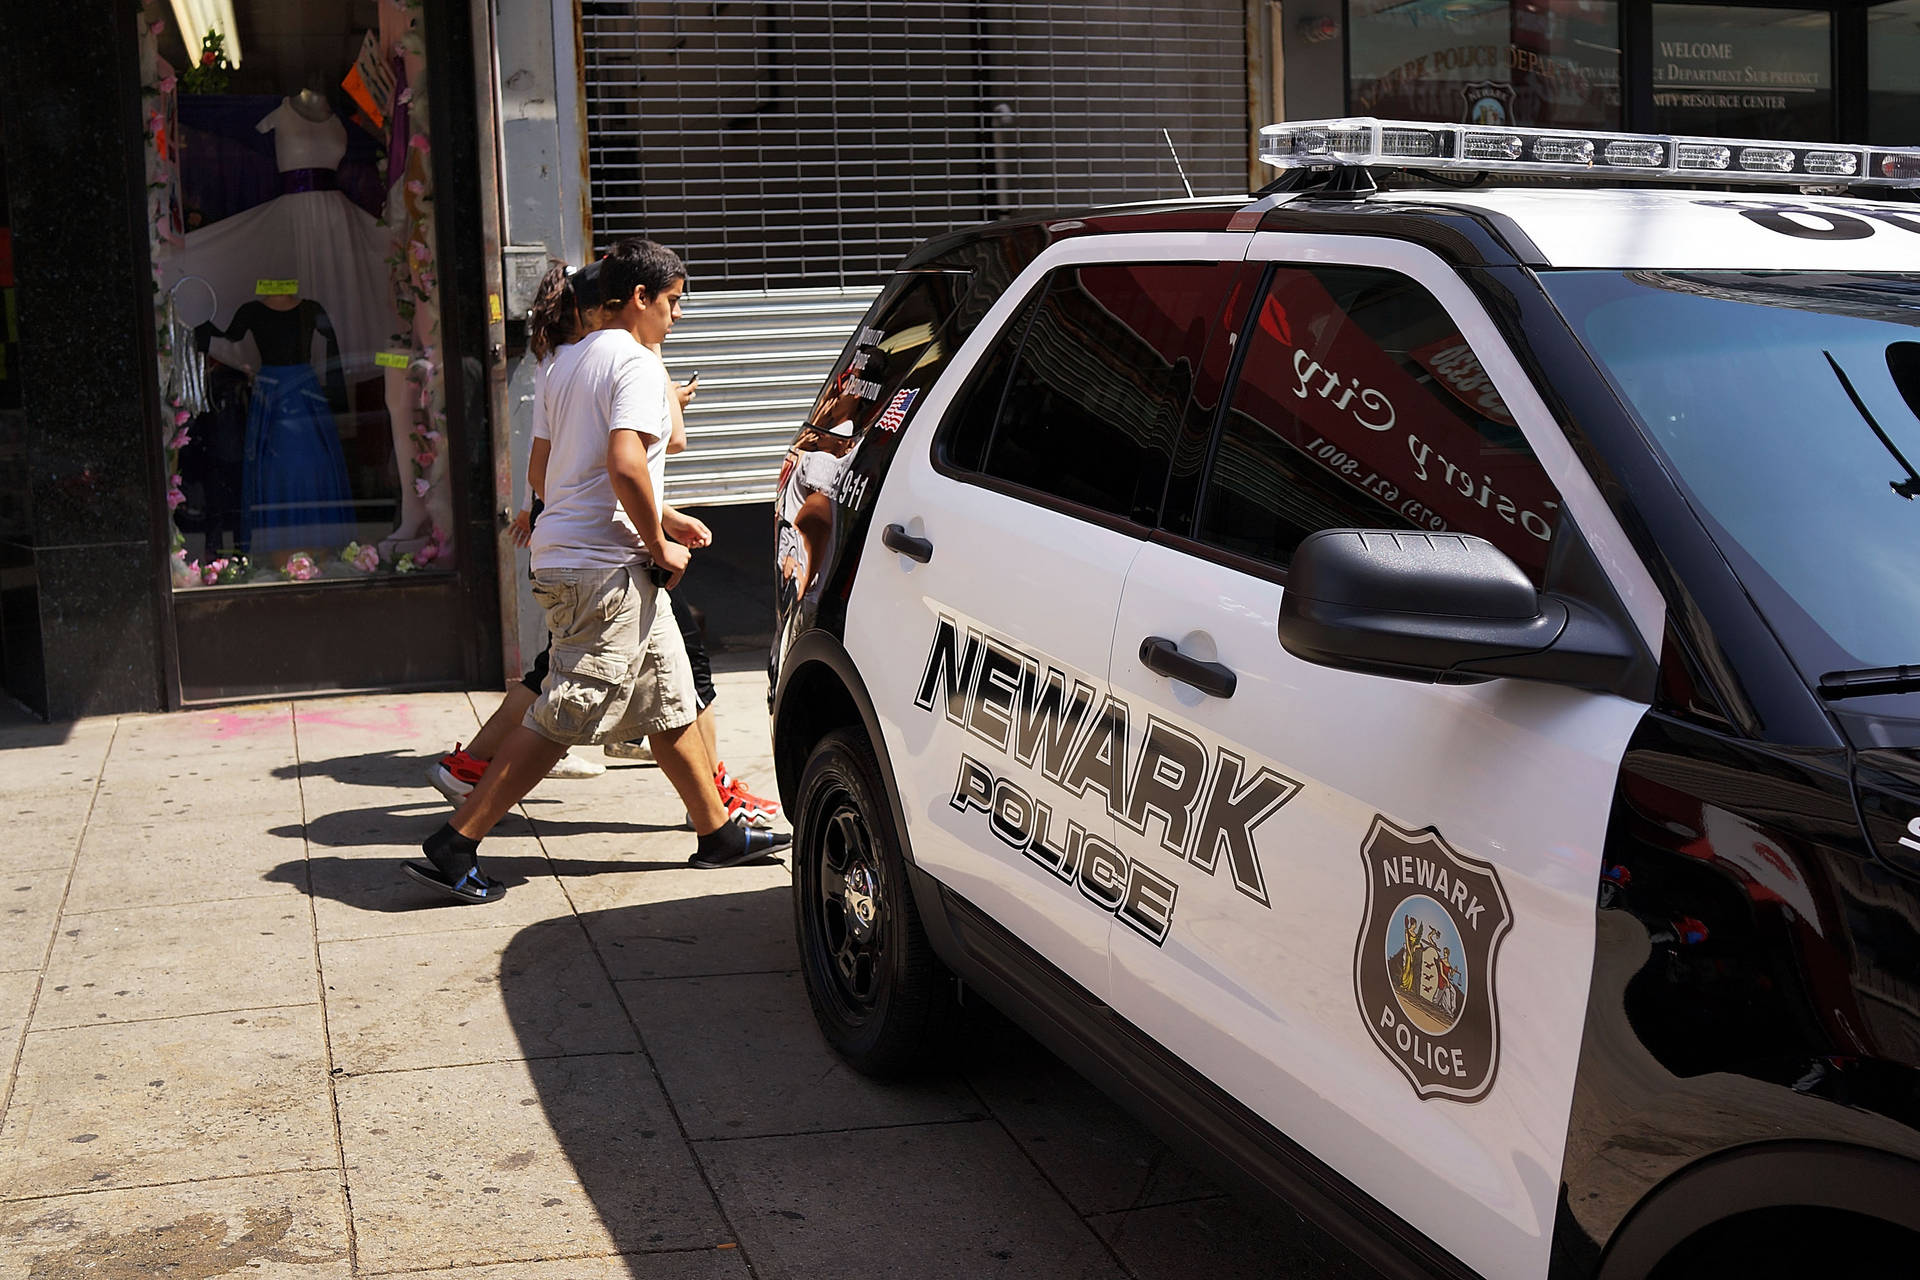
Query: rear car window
(1094, 384)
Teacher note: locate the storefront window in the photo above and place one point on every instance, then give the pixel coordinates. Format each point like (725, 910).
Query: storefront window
(1893, 73)
(1736, 72)
(1532, 62)
(291, 213)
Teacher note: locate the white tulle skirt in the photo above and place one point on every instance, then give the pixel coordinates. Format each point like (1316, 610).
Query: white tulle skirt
(334, 248)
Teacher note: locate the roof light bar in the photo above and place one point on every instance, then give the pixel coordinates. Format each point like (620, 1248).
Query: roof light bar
(1410, 144)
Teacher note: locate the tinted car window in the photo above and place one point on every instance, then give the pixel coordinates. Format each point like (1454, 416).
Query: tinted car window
(903, 342)
(1358, 404)
(970, 422)
(1101, 384)
(1788, 406)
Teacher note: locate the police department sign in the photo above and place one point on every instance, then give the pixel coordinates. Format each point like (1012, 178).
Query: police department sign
(1423, 970)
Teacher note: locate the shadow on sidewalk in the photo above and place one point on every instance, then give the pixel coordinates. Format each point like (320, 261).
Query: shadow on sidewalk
(1002, 1162)
(408, 824)
(393, 768)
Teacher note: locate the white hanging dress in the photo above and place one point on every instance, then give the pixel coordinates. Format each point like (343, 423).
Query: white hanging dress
(336, 250)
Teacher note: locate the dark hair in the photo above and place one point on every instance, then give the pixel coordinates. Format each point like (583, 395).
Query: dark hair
(638, 264)
(551, 319)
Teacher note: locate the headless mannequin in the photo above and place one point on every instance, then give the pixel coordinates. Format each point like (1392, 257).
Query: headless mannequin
(293, 454)
(306, 133)
(283, 327)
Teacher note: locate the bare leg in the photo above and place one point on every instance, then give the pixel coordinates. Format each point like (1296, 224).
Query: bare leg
(523, 760)
(683, 756)
(512, 711)
(708, 735)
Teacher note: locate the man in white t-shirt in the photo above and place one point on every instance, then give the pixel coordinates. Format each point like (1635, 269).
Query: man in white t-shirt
(603, 550)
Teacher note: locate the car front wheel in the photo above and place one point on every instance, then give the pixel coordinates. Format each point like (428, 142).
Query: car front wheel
(882, 998)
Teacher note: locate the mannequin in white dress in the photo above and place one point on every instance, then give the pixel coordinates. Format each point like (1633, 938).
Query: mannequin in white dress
(332, 249)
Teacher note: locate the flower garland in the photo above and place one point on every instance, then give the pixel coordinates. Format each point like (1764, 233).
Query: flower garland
(159, 95)
(416, 294)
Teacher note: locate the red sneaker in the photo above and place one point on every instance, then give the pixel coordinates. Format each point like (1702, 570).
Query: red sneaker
(742, 805)
(456, 773)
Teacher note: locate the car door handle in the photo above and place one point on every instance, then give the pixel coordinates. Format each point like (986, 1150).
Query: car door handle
(1157, 653)
(896, 538)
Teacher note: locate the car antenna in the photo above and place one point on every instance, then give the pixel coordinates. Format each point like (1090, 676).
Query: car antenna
(1176, 162)
(1905, 488)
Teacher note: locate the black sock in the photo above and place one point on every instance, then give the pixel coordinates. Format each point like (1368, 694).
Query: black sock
(734, 843)
(452, 854)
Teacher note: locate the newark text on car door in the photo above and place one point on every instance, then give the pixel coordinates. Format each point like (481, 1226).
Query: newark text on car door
(984, 609)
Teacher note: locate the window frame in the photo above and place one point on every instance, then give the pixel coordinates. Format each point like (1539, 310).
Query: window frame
(1168, 249)
(1190, 539)
(1580, 499)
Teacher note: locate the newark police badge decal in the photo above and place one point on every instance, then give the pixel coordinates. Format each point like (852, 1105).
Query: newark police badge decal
(1423, 970)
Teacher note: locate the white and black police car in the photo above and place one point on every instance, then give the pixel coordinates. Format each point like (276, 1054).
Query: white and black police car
(1411, 681)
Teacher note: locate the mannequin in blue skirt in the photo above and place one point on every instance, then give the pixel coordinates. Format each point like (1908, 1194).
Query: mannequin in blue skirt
(294, 477)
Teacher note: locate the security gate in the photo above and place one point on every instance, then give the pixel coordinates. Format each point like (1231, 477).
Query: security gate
(810, 144)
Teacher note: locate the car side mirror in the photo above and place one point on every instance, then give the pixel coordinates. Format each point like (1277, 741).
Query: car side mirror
(1439, 607)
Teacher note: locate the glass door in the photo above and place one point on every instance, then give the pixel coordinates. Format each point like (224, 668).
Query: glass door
(1743, 71)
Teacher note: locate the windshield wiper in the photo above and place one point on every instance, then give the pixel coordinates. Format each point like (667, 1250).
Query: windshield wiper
(1865, 682)
(1908, 488)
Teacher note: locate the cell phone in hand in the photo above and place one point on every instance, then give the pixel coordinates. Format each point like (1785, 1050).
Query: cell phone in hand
(659, 574)
(693, 377)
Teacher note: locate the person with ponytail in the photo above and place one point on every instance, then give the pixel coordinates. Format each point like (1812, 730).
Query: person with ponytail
(555, 320)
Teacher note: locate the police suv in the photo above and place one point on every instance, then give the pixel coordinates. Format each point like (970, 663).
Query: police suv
(1410, 681)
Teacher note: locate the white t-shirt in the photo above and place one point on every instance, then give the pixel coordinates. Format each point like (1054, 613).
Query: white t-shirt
(587, 390)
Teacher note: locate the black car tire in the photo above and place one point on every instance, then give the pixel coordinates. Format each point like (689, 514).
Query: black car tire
(882, 998)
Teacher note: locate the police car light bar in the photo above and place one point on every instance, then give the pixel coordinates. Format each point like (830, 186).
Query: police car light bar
(1409, 144)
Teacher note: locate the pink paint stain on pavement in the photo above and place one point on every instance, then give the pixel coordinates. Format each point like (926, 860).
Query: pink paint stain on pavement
(394, 721)
(227, 725)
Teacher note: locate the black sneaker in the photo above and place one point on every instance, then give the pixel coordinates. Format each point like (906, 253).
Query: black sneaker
(735, 845)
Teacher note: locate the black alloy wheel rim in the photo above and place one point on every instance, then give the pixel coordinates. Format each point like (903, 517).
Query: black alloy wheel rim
(847, 907)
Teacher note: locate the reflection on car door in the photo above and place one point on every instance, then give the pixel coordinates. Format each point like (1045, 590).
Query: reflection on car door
(1384, 949)
(987, 663)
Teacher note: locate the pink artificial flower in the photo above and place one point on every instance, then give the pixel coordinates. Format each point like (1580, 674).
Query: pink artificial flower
(167, 83)
(424, 459)
(426, 554)
(368, 560)
(429, 435)
(180, 440)
(420, 487)
(415, 187)
(301, 567)
(406, 96)
(175, 499)
(418, 142)
(156, 27)
(181, 417)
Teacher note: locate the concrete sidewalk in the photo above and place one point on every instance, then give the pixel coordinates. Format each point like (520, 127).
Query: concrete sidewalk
(238, 1041)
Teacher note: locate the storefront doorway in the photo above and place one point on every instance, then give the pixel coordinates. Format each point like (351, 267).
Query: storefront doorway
(317, 346)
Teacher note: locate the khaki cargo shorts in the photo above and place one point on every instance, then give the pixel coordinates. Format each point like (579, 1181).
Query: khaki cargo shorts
(619, 668)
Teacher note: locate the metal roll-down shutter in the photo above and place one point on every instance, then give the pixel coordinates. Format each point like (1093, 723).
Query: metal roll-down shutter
(789, 148)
